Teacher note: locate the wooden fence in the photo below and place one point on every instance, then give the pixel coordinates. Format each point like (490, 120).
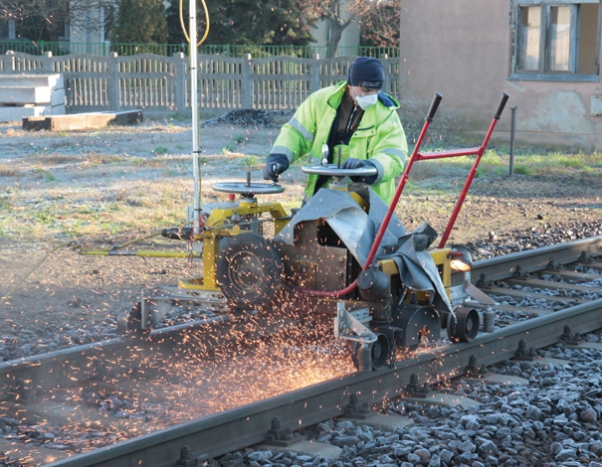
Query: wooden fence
(157, 83)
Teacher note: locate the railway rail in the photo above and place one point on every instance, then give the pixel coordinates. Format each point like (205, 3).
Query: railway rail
(232, 429)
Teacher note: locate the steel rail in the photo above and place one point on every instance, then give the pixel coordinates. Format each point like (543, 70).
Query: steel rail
(247, 425)
(54, 367)
(503, 267)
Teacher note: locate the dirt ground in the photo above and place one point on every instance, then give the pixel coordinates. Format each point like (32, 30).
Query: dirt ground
(97, 189)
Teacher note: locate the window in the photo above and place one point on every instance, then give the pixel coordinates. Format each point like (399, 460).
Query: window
(556, 40)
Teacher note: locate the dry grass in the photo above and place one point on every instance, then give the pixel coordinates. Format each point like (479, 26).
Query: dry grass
(9, 171)
(109, 183)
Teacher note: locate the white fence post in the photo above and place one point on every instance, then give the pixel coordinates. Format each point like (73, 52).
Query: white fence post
(247, 82)
(9, 62)
(180, 90)
(314, 73)
(47, 61)
(113, 82)
(386, 84)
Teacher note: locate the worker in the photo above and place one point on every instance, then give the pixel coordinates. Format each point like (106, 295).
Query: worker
(353, 115)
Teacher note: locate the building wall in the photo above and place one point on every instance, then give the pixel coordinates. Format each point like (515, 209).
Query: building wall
(462, 49)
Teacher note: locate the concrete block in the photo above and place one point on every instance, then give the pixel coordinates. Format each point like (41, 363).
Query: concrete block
(21, 95)
(382, 422)
(53, 80)
(18, 113)
(83, 121)
(31, 95)
(308, 448)
(444, 399)
(57, 97)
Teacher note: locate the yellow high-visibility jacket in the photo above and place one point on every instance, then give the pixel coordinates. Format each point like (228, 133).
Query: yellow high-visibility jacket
(379, 137)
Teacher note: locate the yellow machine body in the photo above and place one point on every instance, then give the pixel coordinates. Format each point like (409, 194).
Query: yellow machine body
(219, 225)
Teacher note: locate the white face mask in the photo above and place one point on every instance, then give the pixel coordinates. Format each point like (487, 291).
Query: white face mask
(365, 102)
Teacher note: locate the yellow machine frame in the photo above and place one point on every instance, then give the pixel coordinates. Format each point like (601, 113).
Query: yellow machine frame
(219, 225)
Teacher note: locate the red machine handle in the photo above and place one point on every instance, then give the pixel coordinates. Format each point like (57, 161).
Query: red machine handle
(473, 171)
(500, 108)
(434, 107)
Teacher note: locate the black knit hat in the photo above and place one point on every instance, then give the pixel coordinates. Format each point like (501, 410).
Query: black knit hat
(366, 72)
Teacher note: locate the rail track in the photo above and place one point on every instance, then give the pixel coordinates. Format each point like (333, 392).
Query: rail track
(22, 382)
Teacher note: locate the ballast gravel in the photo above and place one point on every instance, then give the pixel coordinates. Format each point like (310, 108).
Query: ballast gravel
(554, 420)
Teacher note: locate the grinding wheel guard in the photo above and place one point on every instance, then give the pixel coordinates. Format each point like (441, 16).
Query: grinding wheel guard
(357, 230)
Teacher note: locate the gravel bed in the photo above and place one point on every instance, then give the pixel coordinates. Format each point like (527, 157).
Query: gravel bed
(548, 234)
(256, 117)
(552, 421)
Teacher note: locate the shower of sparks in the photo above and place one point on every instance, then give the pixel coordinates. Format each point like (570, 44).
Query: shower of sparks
(207, 371)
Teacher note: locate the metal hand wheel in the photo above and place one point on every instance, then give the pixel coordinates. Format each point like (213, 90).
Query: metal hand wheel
(248, 189)
(331, 170)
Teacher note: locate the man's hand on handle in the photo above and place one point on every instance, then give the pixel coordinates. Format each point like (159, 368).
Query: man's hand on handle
(275, 165)
(353, 163)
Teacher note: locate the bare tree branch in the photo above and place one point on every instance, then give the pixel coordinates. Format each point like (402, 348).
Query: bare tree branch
(379, 20)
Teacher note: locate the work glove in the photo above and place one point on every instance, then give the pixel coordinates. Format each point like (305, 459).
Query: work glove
(275, 165)
(353, 163)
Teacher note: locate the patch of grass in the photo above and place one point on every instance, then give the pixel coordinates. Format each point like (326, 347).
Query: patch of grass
(523, 170)
(573, 163)
(54, 159)
(528, 161)
(492, 157)
(177, 117)
(100, 159)
(50, 177)
(45, 217)
(6, 202)
(8, 171)
(493, 171)
(250, 161)
(180, 147)
(160, 150)
(239, 139)
(227, 149)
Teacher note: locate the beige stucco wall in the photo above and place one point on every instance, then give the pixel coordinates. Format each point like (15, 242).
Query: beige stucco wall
(462, 49)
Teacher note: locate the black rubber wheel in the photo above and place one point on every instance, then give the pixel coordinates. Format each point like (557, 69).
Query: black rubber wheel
(466, 325)
(249, 272)
(379, 353)
(129, 320)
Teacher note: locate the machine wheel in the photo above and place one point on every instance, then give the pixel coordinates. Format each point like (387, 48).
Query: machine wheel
(379, 354)
(249, 271)
(465, 326)
(129, 320)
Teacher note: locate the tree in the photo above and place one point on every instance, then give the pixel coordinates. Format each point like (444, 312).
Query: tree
(140, 21)
(379, 20)
(47, 19)
(246, 22)
(380, 24)
(36, 21)
(338, 14)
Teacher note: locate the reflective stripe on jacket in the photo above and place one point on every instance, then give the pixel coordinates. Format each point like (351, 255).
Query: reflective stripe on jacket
(379, 137)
